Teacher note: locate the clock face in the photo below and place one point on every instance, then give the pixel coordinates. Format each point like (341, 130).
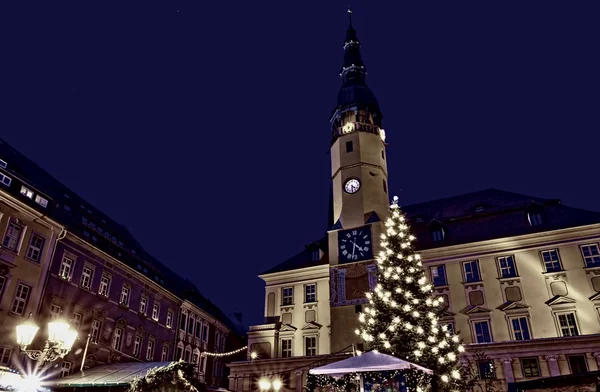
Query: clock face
(355, 244)
(352, 185)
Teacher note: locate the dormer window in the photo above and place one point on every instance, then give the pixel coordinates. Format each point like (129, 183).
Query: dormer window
(316, 255)
(26, 192)
(479, 208)
(535, 218)
(3, 164)
(437, 235)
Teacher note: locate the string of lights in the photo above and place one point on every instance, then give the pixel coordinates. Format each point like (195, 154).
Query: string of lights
(219, 355)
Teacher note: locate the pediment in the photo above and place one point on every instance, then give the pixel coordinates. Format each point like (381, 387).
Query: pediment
(559, 300)
(507, 306)
(287, 328)
(595, 297)
(336, 226)
(311, 325)
(477, 310)
(447, 314)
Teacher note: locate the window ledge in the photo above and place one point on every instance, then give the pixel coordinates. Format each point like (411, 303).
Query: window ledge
(594, 269)
(478, 283)
(442, 287)
(509, 278)
(554, 274)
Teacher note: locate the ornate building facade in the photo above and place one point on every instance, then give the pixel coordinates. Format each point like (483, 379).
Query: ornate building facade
(520, 274)
(61, 257)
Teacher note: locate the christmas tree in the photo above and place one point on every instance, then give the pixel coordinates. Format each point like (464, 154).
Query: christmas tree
(402, 317)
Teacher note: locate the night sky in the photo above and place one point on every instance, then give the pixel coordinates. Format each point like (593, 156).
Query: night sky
(203, 126)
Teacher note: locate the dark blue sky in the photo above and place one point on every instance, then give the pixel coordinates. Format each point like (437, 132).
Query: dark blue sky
(203, 126)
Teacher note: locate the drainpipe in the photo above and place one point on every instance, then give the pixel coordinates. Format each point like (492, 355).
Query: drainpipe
(62, 235)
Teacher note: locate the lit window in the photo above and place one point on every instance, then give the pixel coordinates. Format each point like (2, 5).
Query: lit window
(26, 192)
(95, 332)
(124, 300)
(104, 285)
(169, 322)
(310, 293)
(591, 255)
(66, 268)
(155, 311)
(287, 296)
(137, 345)
(165, 354)
(41, 201)
(143, 304)
(551, 260)
(471, 270)
(507, 267)
(20, 300)
(55, 311)
(36, 245)
(117, 339)
(86, 277)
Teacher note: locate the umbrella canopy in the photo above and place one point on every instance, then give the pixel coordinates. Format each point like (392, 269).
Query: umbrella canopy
(368, 362)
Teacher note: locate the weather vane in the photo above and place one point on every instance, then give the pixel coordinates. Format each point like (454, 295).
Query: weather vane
(350, 14)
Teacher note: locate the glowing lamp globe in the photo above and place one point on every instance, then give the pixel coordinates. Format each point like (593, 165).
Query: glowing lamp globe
(26, 332)
(264, 384)
(57, 331)
(276, 385)
(70, 337)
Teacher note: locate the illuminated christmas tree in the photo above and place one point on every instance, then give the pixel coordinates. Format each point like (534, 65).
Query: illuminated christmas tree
(402, 317)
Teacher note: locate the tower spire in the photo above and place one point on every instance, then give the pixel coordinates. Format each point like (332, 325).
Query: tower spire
(349, 16)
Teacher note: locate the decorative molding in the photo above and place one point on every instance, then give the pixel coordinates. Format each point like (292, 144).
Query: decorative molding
(476, 310)
(551, 357)
(312, 325)
(512, 306)
(506, 360)
(559, 300)
(287, 328)
(595, 297)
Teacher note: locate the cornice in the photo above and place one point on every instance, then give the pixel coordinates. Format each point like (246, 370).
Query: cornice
(358, 165)
(556, 344)
(509, 244)
(300, 274)
(30, 212)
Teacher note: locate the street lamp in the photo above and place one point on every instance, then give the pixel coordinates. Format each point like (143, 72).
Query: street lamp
(60, 340)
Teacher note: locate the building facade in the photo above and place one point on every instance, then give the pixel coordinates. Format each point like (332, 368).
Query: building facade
(28, 240)
(61, 257)
(520, 275)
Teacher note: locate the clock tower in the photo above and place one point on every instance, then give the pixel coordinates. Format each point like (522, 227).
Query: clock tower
(360, 198)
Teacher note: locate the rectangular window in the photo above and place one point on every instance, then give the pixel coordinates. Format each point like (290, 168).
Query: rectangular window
(21, 297)
(437, 235)
(104, 285)
(6, 180)
(12, 236)
(310, 345)
(382, 154)
(117, 338)
(77, 319)
(143, 304)
(198, 328)
(551, 260)
(2, 285)
(535, 218)
(578, 364)
(591, 255)
(66, 268)
(164, 355)
(3, 164)
(86, 277)
(520, 328)
(55, 311)
(26, 192)
(36, 245)
(486, 370)
(567, 324)
(65, 369)
(287, 294)
(531, 367)
(449, 328)
(482, 332)
(5, 355)
(95, 332)
(310, 292)
(438, 275)
(155, 311)
(183, 322)
(169, 322)
(349, 146)
(191, 324)
(137, 345)
(41, 201)
(507, 267)
(205, 332)
(384, 186)
(124, 300)
(471, 269)
(286, 348)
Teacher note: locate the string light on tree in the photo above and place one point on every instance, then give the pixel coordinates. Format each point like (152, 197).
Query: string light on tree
(403, 314)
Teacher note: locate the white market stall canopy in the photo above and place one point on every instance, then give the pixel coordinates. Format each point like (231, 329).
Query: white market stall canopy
(370, 361)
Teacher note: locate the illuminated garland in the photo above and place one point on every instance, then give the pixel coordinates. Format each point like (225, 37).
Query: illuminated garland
(350, 381)
(219, 355)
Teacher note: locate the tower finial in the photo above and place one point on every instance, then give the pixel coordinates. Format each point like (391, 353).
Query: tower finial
(350, 15)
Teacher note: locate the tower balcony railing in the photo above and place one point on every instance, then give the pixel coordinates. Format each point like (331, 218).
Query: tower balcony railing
(357, 126)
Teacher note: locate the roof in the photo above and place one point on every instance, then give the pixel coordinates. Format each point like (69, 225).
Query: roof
(305, 258)
(472, 217)
(114, 374)
(97, 228)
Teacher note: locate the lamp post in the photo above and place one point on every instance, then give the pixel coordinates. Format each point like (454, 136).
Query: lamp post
(60, 340)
